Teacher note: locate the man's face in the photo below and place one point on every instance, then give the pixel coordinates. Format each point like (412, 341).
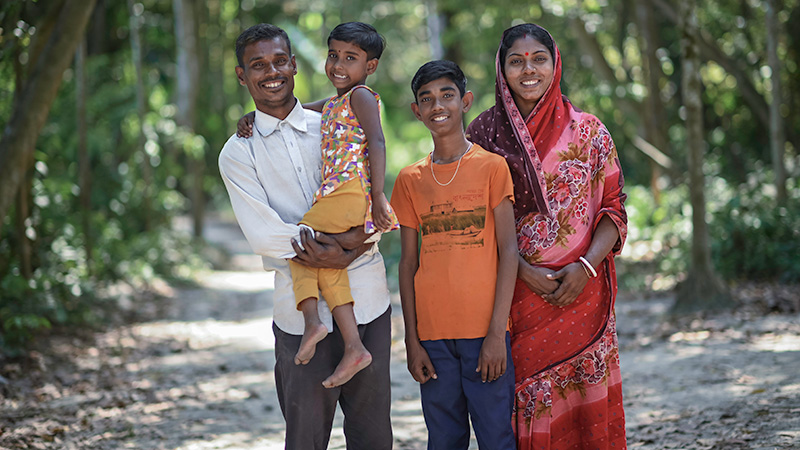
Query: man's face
(268, 73)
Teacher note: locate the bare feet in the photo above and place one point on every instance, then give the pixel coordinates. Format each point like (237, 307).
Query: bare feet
(308, 345)
(353, 361)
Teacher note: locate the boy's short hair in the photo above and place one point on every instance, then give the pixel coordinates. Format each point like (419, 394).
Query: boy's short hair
(433, 70)
(363, 35)
(256, 33)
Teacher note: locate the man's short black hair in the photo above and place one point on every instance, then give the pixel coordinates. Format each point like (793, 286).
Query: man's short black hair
(363, 35)
(433, 70)
(256, 33)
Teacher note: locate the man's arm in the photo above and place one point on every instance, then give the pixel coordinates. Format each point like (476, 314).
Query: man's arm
(266, 232)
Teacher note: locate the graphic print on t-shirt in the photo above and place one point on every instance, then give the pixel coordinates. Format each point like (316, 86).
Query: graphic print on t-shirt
(455, 222)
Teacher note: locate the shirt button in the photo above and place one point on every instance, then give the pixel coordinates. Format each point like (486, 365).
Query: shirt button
(299, 169)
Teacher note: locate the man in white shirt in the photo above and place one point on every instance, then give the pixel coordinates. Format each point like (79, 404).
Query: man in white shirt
(271, 179)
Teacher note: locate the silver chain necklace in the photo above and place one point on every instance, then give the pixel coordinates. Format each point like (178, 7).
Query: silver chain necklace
(457, 167)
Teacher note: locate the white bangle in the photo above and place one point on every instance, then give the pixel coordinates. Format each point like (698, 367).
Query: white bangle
(587, 265)
(585, 270)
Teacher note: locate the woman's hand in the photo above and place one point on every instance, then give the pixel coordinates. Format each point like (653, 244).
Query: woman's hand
(573, 279)
(537, 278)
(244, 127)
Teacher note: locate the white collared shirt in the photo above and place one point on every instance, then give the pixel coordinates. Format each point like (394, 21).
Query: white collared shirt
(271, 179)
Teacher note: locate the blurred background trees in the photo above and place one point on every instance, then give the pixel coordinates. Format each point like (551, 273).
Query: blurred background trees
(144, 95)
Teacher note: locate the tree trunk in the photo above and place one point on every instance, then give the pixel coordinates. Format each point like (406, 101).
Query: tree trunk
(21, 224)
(141, 111)
(187, 74)
(22, 208)
(702, 289)
(653, 119)
(84, 164)
(434, 23)
(777, 135)
(29, 116)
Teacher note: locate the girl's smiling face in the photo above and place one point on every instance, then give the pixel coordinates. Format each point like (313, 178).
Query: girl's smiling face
(528, 71)
(347, 65)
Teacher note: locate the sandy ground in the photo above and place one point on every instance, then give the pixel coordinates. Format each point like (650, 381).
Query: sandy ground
(199, 376)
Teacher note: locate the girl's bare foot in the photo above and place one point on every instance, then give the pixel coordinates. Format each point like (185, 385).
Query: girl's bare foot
(353, 361)
(308, 345)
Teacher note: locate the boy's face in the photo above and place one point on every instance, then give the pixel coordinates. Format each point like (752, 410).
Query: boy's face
(268, 73)
(440, 106)
(347, 65)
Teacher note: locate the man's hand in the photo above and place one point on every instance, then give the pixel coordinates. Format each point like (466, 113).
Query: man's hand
(419, 363)
(492, 360)
(323, 252)
(352, 238)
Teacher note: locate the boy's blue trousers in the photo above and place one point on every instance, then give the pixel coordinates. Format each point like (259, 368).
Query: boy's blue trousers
(458, 394)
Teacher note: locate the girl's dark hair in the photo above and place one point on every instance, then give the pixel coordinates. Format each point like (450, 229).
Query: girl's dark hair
(433, 70)
(260, 32)
(363, 35)
(526, 29)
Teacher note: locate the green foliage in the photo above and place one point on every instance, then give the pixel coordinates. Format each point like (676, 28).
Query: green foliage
(659, 239)
(754, 237)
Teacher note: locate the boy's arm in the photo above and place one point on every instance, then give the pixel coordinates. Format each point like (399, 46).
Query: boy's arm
(365, 107)
(317, 105)
(492, 360)
(419, 363)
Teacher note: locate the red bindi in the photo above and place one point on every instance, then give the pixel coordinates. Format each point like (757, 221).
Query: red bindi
(526, 53)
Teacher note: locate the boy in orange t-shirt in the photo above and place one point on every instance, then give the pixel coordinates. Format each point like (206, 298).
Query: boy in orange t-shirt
(456, 287)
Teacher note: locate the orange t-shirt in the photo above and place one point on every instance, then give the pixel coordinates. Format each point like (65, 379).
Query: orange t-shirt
(455, 283)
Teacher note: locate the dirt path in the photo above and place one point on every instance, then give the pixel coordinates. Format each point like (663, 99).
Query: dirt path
(199, 376)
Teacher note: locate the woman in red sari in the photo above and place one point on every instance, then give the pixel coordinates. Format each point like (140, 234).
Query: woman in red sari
(571, 222)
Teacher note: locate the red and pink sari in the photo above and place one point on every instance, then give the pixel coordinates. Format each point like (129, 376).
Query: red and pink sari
(566, 178)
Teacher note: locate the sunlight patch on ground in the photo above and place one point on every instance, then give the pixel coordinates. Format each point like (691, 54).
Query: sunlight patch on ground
(238, 281)
(241, 441)
(690, 336)
(255, 334)
(772, 342)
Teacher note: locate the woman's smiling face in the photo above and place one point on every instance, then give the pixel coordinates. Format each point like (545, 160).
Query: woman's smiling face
(529, 71)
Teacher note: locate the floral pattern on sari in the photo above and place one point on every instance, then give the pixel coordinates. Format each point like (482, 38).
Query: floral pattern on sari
(591, 367)
(574, 178)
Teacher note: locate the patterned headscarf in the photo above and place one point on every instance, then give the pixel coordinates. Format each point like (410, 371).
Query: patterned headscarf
(521, 140)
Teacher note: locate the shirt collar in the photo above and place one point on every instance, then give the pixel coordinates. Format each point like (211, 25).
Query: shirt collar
(266, 124)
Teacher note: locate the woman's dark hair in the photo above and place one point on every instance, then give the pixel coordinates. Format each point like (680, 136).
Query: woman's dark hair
(363, 35)
(433, 70)
(256, 33)
(526, 29)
